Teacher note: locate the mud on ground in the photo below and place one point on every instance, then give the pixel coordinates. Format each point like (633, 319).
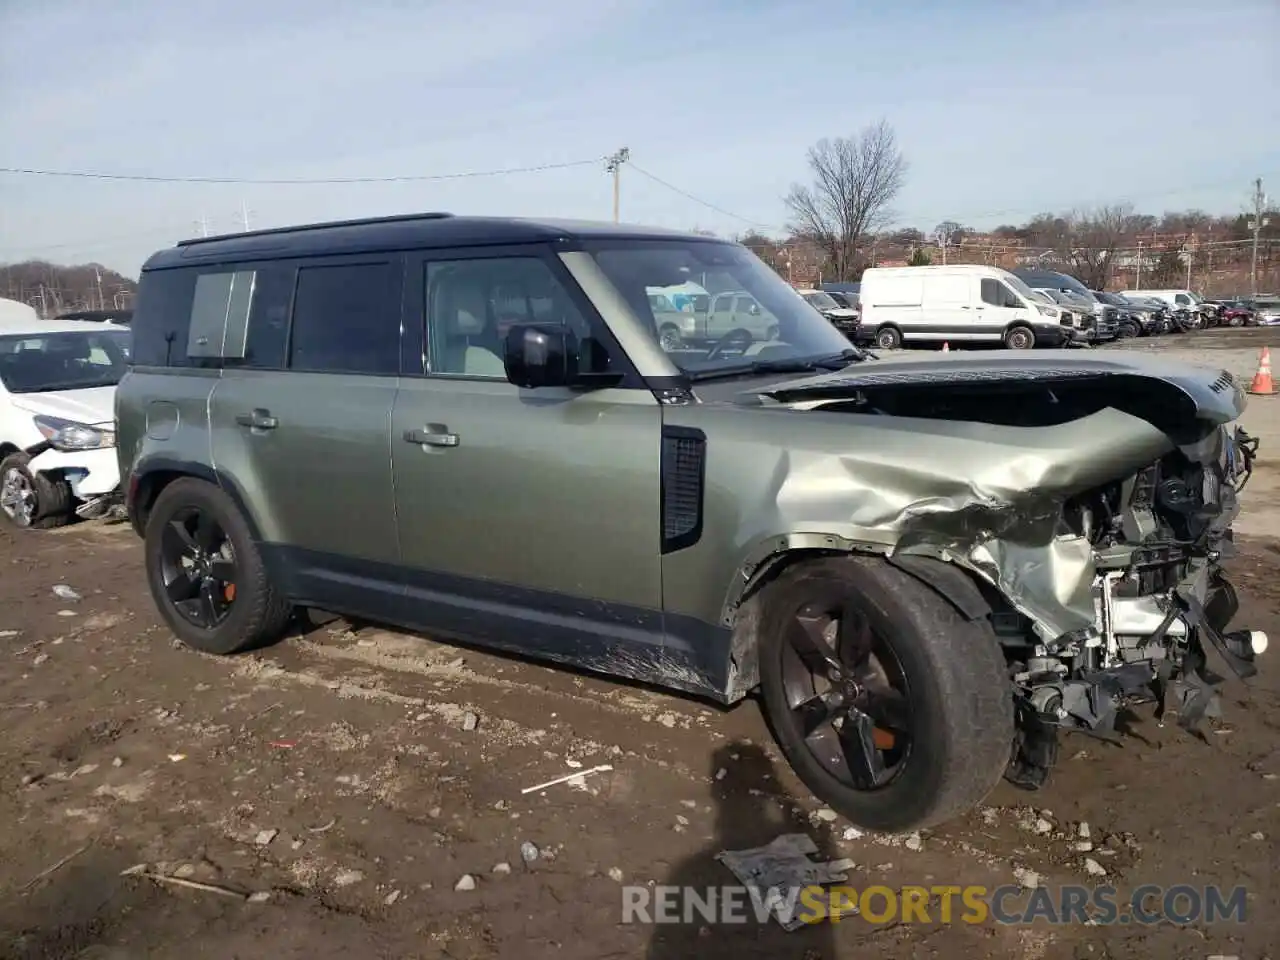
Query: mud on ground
(351, 776)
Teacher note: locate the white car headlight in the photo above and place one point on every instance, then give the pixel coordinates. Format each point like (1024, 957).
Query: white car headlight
(1047, 311)
(67, 435)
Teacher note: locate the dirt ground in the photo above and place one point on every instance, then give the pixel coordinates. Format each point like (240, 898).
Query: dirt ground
(339, 776)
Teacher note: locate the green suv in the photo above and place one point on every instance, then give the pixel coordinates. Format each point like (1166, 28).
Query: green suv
(927, 566)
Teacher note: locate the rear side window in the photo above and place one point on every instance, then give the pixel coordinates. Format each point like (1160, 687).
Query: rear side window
(344, 320)
(163, 318)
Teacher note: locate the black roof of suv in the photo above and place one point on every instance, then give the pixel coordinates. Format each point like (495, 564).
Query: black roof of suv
(417, 230)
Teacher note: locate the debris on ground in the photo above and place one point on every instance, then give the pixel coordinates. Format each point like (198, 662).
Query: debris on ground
(502, 869)
(1094, 868)
(64, 592)
(264, 837)
(528, 852)
(913, 842)
(1028, 879)
(615, 874)
(779, 866)
(568, 777)
(260, 896)
(345, 878)
(470, 721)
(465, 882)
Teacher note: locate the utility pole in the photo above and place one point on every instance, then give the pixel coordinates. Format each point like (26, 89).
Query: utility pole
(244, 216)
(1137, 280)
(102, 303)
(613, 164)
(1259, 221)
(203, 225)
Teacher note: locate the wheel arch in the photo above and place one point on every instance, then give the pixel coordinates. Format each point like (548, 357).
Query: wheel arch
(743, 606)
(151, 475)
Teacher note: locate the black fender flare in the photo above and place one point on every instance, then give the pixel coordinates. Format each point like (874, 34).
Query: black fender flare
(150, 466)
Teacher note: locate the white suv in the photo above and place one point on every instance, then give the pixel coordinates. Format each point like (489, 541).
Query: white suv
(57, 418)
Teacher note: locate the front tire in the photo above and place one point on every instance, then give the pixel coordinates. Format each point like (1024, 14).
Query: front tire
(32, 501)
(206, 573)
(888, 704)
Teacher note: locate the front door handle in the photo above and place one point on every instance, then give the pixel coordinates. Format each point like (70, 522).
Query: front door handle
(433, 435)
(258, 420)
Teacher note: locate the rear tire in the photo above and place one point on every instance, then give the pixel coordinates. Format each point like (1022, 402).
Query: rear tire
(248, 614)
(32, 501)
(888, 338)
(1020, 338)
(957, 695)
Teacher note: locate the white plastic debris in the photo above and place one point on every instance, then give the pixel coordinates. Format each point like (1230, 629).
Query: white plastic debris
(264, 837)
(567, 778)
(1043, 826)
(1029, 879)
(615, 874)
(346, 878)
(1094, 868)
(64, 592)
(391, 897)
(913, 842)
(465, 882)
(1082, 831)
(827, 814)
(260, 896)
(852, 833)
(502, 869)
(470, 721)
(528, 852)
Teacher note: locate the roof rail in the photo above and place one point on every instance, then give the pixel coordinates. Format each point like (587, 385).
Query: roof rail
(298, 228)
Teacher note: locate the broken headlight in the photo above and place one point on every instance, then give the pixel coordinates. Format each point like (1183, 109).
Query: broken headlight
(68, 436)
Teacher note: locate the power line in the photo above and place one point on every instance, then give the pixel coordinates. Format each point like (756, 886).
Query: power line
(295, 181)
(705, 203)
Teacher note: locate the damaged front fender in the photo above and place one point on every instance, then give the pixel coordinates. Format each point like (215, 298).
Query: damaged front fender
(987, 497)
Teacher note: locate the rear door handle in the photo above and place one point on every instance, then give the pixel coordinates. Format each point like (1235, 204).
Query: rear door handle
(433, 435)
(258, 420)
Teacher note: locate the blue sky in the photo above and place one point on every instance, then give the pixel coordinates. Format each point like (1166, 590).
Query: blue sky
(1003, 109)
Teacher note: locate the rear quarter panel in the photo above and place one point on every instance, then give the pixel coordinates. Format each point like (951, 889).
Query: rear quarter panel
(162, 420)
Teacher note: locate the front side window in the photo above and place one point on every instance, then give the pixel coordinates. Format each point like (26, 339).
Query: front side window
(1182, 299)
(997, 294)
(344, 320)
(45, 362)
(708, 275)
(472, 304)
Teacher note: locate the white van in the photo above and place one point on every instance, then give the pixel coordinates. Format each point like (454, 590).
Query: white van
(966, 303)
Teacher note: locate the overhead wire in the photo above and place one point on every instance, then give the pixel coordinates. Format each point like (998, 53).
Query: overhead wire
(294, 181)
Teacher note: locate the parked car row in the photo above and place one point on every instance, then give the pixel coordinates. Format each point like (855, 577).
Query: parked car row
(1022, 308)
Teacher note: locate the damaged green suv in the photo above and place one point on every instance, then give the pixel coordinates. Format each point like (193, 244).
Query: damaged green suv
(927, 567)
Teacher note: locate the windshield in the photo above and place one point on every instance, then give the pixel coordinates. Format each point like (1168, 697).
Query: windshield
(1018, 284)
(821, 300)
(732, 311)
(40, 362)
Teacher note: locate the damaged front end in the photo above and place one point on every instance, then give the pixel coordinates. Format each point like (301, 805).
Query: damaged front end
(1098, 543)
(1161, 601)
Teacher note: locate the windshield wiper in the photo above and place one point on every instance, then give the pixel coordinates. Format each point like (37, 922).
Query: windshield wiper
(835, 361)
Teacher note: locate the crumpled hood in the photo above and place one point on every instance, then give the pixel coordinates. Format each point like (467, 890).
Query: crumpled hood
(92, 406)
(1215, 394)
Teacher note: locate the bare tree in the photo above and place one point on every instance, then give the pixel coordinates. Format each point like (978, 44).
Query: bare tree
(854, 181)
(1088, 242)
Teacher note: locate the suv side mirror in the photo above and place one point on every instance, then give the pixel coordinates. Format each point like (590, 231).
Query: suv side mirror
(538, 355)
